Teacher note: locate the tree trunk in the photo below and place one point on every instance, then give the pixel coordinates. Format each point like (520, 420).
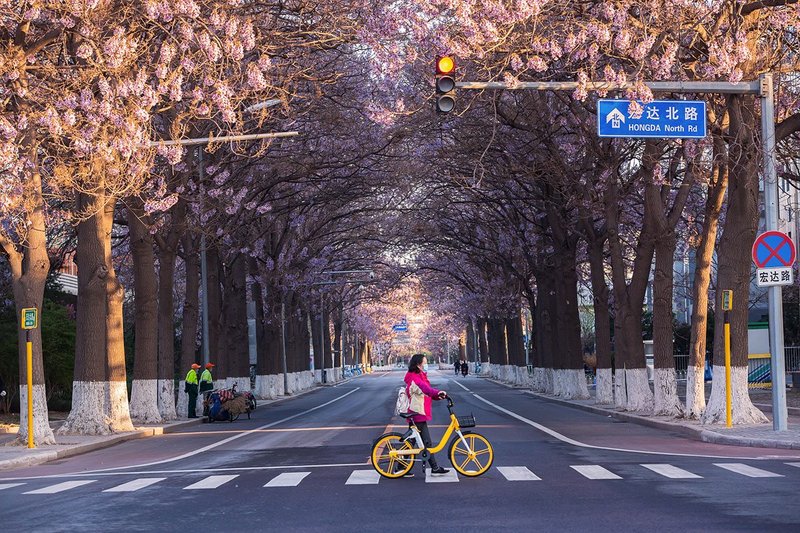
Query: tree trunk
(99, 393)
(144, 389)
(741, 222)
(29, 269)
(602, 323)
(190, 319)
(166, 332)
(237, 342)
(570, 379)
(665, 380)
(214, 303)
(470, 337)
(482, 344)
(704, 255)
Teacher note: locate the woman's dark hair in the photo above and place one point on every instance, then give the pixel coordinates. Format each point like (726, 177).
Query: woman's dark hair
(416, 361)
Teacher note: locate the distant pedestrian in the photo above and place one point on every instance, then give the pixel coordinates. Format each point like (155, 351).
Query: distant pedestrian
(191, 388)
(464, 368)
(457, 367)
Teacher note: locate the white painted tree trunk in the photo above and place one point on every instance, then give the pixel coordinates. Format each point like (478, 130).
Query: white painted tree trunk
(548, 381)
(166, 399)
(742, 409)
(604, 387)
(42, 433)
(538, 379)
(570, 384)
(640, 397)
(695, 392)
(242, 384)
(667, 402)
(620, 395)
(182, 407)
(98, 408)
(144, 401)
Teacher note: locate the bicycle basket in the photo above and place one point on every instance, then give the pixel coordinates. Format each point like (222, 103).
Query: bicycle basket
(466, 421)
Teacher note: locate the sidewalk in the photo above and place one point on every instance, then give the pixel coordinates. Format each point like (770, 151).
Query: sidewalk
(754, 435)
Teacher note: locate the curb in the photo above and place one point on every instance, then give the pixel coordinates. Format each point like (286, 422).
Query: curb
(701, 434)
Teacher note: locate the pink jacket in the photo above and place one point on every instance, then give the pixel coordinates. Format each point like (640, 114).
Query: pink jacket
(421, 379)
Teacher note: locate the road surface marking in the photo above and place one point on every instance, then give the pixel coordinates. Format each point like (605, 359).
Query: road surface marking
(211, 482)
(61, 487)
(229, 439)
(518, 473)
(10, 485)
(363, 477)
(672, 472)
(287, 479)
(460, 385)
(794, 464)
(594, 472)
(746, 470)
(450, 477)
(136, 484)
(573, 442)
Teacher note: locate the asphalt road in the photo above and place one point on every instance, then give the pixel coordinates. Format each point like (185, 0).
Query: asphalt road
(302, 465)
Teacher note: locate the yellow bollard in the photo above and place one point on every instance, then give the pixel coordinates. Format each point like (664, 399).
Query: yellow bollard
(29, 365)
(727, 305)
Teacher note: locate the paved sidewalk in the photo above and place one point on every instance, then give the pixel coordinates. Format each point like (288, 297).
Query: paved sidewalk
(755, 435)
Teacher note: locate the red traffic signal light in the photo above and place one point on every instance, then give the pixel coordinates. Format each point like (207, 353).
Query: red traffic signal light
(445, 84)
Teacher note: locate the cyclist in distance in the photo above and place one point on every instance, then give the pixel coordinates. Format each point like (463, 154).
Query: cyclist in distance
(418, 374)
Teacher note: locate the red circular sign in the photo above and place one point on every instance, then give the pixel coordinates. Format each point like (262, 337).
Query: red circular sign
(773, 249)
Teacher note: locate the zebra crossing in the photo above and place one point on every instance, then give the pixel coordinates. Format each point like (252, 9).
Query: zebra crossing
(368, 476)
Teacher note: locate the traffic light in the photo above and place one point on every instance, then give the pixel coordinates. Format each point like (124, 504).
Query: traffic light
(445, 84)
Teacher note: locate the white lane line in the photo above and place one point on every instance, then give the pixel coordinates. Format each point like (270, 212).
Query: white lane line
(229, 439)
(672, 472)
(450, 477)
(61, 487)
(136, 484)
(746, 470)
(10, 485)
(363, 477)
(460, 385)
(573, 442)
(594, 472)
(287, 479)
(211, 482)
(793, 464)
(518, 473)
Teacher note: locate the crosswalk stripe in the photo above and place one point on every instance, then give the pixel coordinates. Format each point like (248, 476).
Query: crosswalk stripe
(9, 485)
(363, 477)
(746, 470)
(450, 477)
(594, 472)
(211, 482)
(672, 472)
(61, 487)
(136, 484)
(287, 479)
(794, 464)
(518, 473)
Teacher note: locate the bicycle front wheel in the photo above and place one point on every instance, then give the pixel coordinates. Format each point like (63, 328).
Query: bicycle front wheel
(474, 459)
(387, 466)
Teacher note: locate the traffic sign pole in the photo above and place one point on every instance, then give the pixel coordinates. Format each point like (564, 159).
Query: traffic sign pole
(29, 320)
(779, 414)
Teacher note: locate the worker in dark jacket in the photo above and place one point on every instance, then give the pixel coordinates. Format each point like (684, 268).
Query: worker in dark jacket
(191, 388)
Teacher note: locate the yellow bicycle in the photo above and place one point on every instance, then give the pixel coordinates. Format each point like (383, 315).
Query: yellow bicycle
(471, 454)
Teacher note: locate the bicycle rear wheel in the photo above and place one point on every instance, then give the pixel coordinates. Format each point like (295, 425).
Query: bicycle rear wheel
(473, 460)
(387, 466)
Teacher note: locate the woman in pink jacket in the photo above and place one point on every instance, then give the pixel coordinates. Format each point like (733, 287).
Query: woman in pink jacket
(418, 373)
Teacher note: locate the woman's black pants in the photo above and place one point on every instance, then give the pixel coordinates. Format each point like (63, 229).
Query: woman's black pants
(426, 439)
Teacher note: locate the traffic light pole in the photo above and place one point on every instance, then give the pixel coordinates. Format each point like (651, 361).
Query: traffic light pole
(762, 87)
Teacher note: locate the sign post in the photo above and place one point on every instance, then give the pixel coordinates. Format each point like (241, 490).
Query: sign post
(727, 305)
(29, 321)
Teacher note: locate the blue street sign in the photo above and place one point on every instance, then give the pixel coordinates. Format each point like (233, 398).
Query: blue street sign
(773, 249)
(400, 327)
(673, 119)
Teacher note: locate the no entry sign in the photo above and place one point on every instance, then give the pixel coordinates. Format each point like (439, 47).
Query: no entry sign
(774, 255)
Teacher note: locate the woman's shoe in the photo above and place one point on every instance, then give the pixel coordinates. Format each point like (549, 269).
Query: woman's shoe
(439, 470)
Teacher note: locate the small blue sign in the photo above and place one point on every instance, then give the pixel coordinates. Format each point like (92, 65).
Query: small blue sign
(663, 119)
(400, 327)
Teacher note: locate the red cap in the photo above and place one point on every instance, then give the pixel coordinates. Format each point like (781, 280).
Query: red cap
(209, 365)
(196, 366)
